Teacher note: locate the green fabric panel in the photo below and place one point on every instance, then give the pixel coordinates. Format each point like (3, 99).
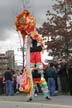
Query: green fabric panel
(44, 85)
(38, 64)
(45, 94)
(32, 65)
(21, 19)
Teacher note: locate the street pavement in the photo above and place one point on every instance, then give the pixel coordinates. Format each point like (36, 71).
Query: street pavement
(19, 101)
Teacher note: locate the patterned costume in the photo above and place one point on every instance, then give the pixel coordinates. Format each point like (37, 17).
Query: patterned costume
(36, 62)
(26, 24)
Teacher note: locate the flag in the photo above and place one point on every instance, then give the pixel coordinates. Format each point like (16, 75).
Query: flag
(25, 85)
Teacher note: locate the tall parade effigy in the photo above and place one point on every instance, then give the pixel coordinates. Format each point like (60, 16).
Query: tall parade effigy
(26, 25)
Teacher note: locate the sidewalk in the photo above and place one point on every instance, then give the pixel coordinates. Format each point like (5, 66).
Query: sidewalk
(61, 100)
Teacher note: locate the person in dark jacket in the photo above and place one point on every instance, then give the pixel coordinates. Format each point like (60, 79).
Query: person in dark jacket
(70, 75)
(51, 74)
(1, 85)
(8, 82)
(63, 75)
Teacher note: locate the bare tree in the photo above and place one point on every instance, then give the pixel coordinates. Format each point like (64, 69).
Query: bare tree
(59, 28)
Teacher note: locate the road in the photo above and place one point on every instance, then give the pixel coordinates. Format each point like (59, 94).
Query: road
(38, 102)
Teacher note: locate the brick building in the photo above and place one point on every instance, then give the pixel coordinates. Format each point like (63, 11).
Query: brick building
(7, 60)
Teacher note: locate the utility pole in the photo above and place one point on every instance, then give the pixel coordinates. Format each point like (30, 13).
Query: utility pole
(26, 4)
(23, 54)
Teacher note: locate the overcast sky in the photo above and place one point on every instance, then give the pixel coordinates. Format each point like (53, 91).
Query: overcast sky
(9, 38)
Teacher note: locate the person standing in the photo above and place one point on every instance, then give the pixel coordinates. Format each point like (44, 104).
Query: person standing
(70, 74)
(63, 75)
(36, 63)
(8, 83)
(51, 74)
(1, 84)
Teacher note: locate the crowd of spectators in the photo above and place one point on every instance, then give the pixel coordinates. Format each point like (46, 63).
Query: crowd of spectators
(9, 82)
(58, 75)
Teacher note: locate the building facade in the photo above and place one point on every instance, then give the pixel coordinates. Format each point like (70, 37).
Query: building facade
(11, 59)
(7, 60)
(3, 63)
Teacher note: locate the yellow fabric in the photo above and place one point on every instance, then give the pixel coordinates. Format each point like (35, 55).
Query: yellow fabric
(33, 33)
(21, 89)
(43, 81)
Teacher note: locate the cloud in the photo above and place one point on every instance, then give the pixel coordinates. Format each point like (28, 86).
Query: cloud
(9, 38)
(10, 8)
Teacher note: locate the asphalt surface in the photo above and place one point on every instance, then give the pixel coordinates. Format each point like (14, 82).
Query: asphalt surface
(38, 102)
